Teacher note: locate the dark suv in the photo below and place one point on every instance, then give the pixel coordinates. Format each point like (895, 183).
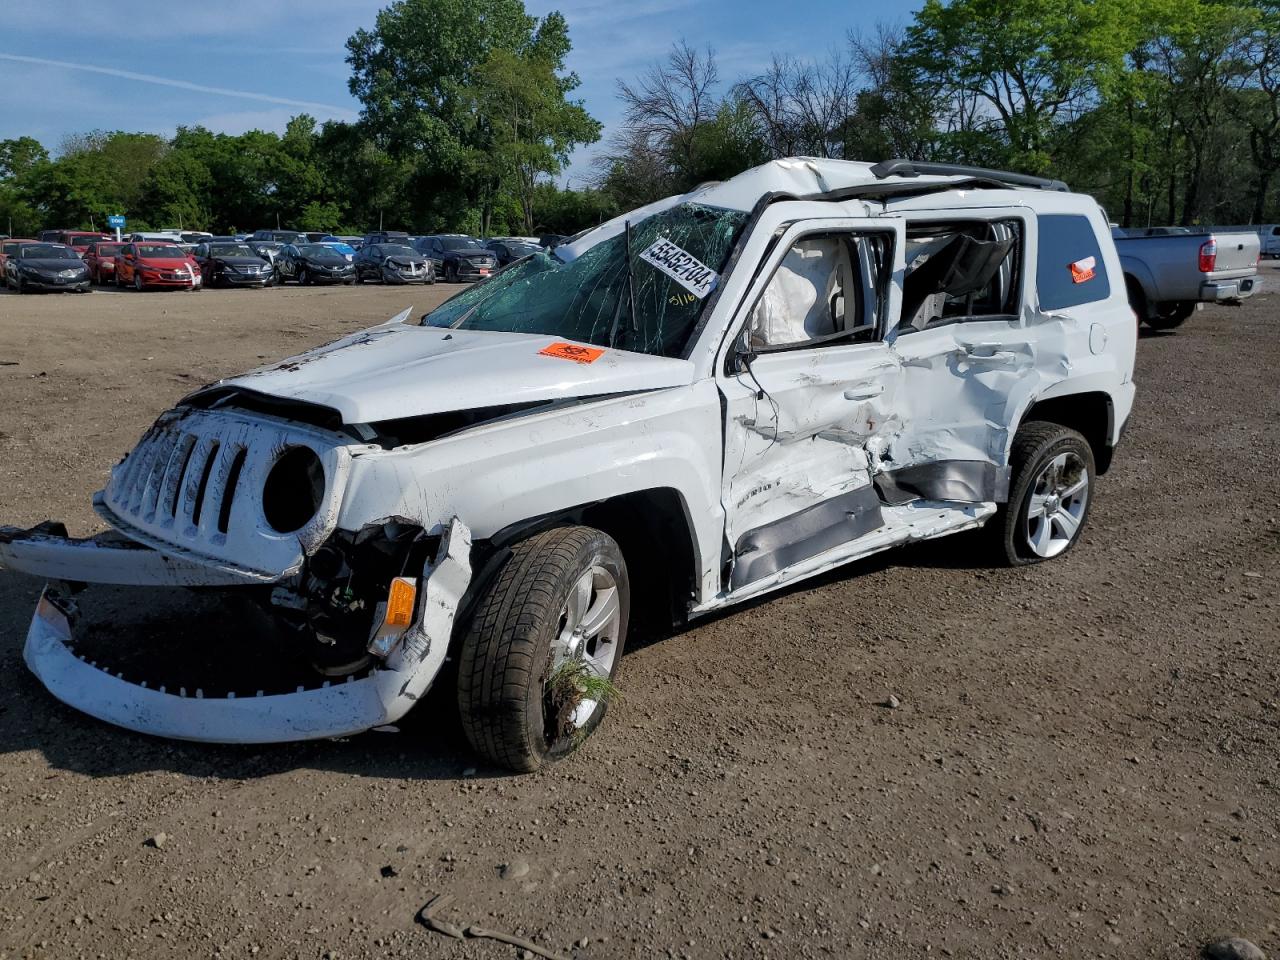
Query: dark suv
(457, 257)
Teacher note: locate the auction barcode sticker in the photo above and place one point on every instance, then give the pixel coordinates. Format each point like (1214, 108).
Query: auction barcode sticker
(684, 268)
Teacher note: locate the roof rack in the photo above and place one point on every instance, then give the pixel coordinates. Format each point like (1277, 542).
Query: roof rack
(913, 168)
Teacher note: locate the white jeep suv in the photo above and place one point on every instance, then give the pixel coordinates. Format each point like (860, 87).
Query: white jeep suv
(689, 406)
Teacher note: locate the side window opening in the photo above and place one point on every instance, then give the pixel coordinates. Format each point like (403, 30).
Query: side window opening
(960, 271)
(1069, 271)
(829, 288)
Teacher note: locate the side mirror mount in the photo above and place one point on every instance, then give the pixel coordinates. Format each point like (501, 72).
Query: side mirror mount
(742, 355)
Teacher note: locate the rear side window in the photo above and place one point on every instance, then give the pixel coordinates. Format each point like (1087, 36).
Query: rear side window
(1070, 271)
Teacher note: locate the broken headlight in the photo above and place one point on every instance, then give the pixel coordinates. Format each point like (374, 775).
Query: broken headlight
(294, 490)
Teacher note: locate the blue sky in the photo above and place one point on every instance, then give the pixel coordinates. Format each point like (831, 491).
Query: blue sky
(246, 64)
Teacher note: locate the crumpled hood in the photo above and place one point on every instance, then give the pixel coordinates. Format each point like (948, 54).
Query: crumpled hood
(395, 370)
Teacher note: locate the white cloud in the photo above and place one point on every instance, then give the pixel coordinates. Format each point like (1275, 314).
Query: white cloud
(329, 110)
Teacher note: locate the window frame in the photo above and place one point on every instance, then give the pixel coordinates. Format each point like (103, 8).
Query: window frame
(1019, 250)
(1042, 235)
(879, 331)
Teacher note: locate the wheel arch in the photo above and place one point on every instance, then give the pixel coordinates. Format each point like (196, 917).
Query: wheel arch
(652, 527)
(1091, 413)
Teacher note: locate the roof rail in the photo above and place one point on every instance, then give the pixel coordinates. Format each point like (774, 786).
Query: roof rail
(913, 168)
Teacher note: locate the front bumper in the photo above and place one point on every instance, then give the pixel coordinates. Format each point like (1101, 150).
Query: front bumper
(345, 276)
(332, 709)
(403, 276)
(465, 271)
(180, 283)
(244, 280)
(1218, 291)
(48, 283)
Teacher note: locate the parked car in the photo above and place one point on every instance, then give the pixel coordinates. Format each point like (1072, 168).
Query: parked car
(457, 257)
(230, 264)
(1169, 272)
(278, 236)
(7, 248)
(386, 236)
(340, 246)
(268, 250)
(392, 263)
(314, 263)
(195, 237)
(156, 264)
(502, 484)
(45, 266)
(79, 240)
(509, 251)
(100, 258)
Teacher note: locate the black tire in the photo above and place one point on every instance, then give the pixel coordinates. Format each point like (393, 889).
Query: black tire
(1036, 444)
(506, 654)
(137, 282)
(1170, 314)
(304, 278)
(451, 273)
(19, 286)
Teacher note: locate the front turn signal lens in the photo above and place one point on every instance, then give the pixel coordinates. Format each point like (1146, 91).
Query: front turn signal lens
(400, 600)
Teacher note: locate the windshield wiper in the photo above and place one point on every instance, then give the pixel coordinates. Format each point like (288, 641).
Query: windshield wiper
(631, 293)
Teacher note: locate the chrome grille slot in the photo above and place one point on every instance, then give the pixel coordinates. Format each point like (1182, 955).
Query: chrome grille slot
(198, 494)
(178, 464)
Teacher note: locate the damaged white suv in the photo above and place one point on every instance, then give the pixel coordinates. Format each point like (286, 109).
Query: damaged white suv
(707, 399)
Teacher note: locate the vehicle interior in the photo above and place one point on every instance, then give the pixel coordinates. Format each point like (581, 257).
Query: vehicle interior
(959, 271)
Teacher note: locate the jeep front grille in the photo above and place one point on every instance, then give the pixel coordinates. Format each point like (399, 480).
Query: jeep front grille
(195, 482)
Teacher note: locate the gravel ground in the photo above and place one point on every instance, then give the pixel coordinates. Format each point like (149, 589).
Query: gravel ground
(1083, 761)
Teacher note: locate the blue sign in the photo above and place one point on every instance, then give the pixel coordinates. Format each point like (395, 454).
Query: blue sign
(115, 221)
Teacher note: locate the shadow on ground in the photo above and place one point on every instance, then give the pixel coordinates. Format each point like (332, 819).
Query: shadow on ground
(430, 744)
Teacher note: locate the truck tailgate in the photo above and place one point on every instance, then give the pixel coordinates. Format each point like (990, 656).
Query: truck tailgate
(1237, 254)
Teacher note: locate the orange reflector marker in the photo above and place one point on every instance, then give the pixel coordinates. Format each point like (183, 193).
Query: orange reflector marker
(400, 602)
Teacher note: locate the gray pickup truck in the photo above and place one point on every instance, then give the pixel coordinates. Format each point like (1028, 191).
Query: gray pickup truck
(1170, 271)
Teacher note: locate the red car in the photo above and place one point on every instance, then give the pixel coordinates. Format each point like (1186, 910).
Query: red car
(100, 258)
(8, 247)
(77, 240)
(154, 263)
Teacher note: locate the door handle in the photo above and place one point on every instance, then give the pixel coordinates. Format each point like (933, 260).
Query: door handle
(865, 392)
(998, 358)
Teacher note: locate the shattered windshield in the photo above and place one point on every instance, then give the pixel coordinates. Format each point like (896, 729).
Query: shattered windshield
(676, 258)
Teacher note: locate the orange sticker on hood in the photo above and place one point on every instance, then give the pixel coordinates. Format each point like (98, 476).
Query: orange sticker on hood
(1083, 270)
(574, 352)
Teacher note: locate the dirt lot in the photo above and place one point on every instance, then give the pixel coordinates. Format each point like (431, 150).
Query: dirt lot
(1085, 762)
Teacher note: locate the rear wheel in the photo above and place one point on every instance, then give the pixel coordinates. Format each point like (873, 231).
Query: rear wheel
(1050, 492)
(536, 664)
(1171, 314)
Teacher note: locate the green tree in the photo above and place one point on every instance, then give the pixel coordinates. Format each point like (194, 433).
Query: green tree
(527, 124)
(1016, 68)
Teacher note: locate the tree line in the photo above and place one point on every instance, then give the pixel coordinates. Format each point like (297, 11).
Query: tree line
(1168, 111)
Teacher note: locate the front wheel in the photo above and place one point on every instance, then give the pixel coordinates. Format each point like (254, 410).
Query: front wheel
(537, 662)
(304, 278)
(1050, 492)
(137, 282)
